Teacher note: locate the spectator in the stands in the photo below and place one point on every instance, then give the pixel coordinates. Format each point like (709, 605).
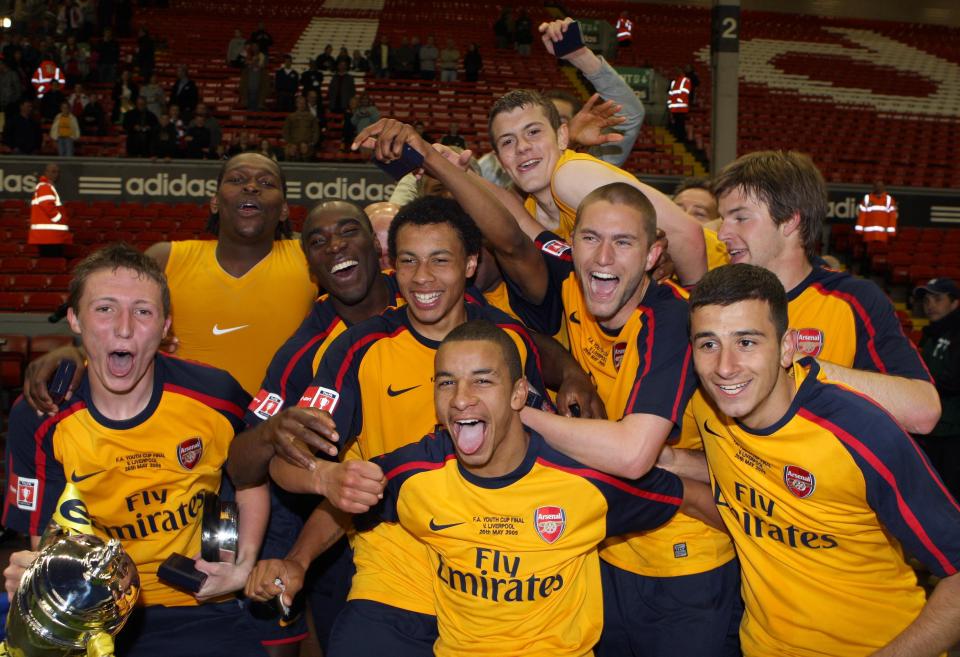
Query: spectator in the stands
(125, 94)
(306, 153)
(404, 61)
(22, 132)
(341, 89)
(184, 93)
(262, 38)
(64, 130)
(422, 131)
(343, 56)
(139, 123)
(93, 118)
(78, 99)
(311, 79)
(287, 81)
(146, 53)
(236, 49)
(196, 140)
(252, 53)
(503, 29)
(179, 124)
(153, 93)
(50, 103)
(10, 90)
(380, 58)
(364, 114)
(361, 62)
(108, 56)
(316, 108)
(299, 127)
(472, 63)
(211, 124)
(267, 150)
(449, 61)
(241, 144)
(164, 141)
(428, 59)
(254, 85)
(453, 137)
(325, 60)
(74, 61)
(523, 33)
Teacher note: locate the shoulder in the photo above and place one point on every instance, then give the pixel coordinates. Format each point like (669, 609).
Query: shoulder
(206, 384)
(357, 339)
(431, 452)
(846, 287)
(666, 303)
(851, 416)
(553, 245)
(160, 252)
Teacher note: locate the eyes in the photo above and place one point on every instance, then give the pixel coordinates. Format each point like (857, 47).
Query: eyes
(742, 344)
(318, 239)
(263, 181)
(106, 309)
(621, 242)
(481, 381)
(410, 261)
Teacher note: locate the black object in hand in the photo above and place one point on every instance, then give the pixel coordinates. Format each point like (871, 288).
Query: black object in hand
(410, 160)
(181, 572)
(61, 380)
(572, 40)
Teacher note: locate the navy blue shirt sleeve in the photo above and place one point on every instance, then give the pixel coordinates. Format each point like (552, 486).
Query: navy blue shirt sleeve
(547, 316)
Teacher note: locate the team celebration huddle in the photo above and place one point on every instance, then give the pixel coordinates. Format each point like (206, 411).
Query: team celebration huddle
(569, 418)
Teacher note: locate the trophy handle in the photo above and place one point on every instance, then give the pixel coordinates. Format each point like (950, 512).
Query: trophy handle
(100, 645)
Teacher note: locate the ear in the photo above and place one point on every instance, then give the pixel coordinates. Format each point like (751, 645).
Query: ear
(563, 137)
(167, 323)
(653, 254)
(214, 204)
(518, 399)
(284, 212)
(471, 265)
(791, 225)
(74, 321)
(788, 348)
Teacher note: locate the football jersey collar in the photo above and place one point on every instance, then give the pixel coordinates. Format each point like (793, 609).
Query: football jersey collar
(521, 471)
(806, 367)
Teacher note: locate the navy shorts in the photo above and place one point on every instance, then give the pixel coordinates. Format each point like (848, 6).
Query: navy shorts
(370, 629)
(689, 616)
(206, 630)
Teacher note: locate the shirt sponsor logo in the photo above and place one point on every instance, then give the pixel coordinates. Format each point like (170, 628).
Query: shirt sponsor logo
(810, 341)
(266, 404)
(324, 399)
(189, 452)
(27, 493)
(555, 247)
(619, 349)
(800, 482)
(549, 522)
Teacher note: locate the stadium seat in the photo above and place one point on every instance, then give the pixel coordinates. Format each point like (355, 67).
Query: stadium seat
(42, 344)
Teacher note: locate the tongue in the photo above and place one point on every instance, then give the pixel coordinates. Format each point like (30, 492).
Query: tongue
(603, 286)
(120, 364)
(470, 437)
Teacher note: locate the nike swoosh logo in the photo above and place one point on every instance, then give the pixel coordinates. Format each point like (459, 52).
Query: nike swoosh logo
(706, 427)
(394, 393)
(78, 478)
(573, 318)
(437, 528)
(219, 331)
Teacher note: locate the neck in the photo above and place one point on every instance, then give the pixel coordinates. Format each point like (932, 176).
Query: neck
(376, 299)
(791, 268)
(622, 316)
(237, 258)
(776, 404)
(548, 214)
(438, 330)
(124, 406)
(509, 453)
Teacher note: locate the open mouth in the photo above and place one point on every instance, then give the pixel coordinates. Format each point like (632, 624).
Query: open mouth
(248, 207)
(736, 253)
(733, 389)
(344, 268)
(468, 434)
(426, 299)
(120, 363)
(603, 284)
(524, 167)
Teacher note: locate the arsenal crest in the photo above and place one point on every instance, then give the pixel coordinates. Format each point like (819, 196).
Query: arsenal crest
(619, 349)
(810, 341)
(189, 452)
(549, 522)
(800, 482)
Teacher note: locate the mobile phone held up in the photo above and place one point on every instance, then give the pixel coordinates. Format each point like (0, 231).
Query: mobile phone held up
(410, 160)
(61, 380)
(572, 40)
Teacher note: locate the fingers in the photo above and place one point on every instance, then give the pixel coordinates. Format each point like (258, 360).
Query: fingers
(13, 573)
(261, 582)
(361, 485)
(35, 381)
(597, 409)
(588, 106)
(312, 427)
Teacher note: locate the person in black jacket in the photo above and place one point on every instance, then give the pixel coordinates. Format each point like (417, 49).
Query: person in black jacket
(287, 82)
(184, 93)
(139, 123)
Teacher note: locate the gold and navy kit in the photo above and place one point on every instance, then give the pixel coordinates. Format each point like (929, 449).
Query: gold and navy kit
(513, 560)
(141, 480)
(645, 367)
(237, 324)
(376, 380)
(822, 505)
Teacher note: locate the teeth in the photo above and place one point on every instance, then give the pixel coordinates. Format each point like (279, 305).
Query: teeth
(603, 276)
(426, 298)
(529, 163)
(468, 422)
(343, 265)
(735, 388)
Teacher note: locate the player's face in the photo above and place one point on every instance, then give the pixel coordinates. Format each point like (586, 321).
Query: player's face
(528, 147)
(611, 257)
(479, 406)
(937, 306)
(250, 198)
(121, 323)
(748, 230)
(341, 251)
(740, 361)
(432, 271)
(698, 203)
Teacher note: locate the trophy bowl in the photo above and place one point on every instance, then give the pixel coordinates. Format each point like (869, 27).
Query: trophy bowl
(219, 529)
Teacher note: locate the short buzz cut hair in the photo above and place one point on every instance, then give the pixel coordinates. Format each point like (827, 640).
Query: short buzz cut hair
(483, 330)
(621, 193)
(431, 210)
(730, 284)
(787, 182)
(284, 229)
(517, 99)
(118, 255)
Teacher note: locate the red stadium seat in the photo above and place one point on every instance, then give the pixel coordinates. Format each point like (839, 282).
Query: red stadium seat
(41, 344)
(13, 359)
(43, 302)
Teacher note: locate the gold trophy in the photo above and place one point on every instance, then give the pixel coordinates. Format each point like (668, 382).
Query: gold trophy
(76, 595)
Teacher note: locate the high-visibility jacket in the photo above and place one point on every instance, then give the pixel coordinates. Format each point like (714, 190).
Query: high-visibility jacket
(678, 99)
(877, 218)
(43, 77)
(48, 222)
(624, 30)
